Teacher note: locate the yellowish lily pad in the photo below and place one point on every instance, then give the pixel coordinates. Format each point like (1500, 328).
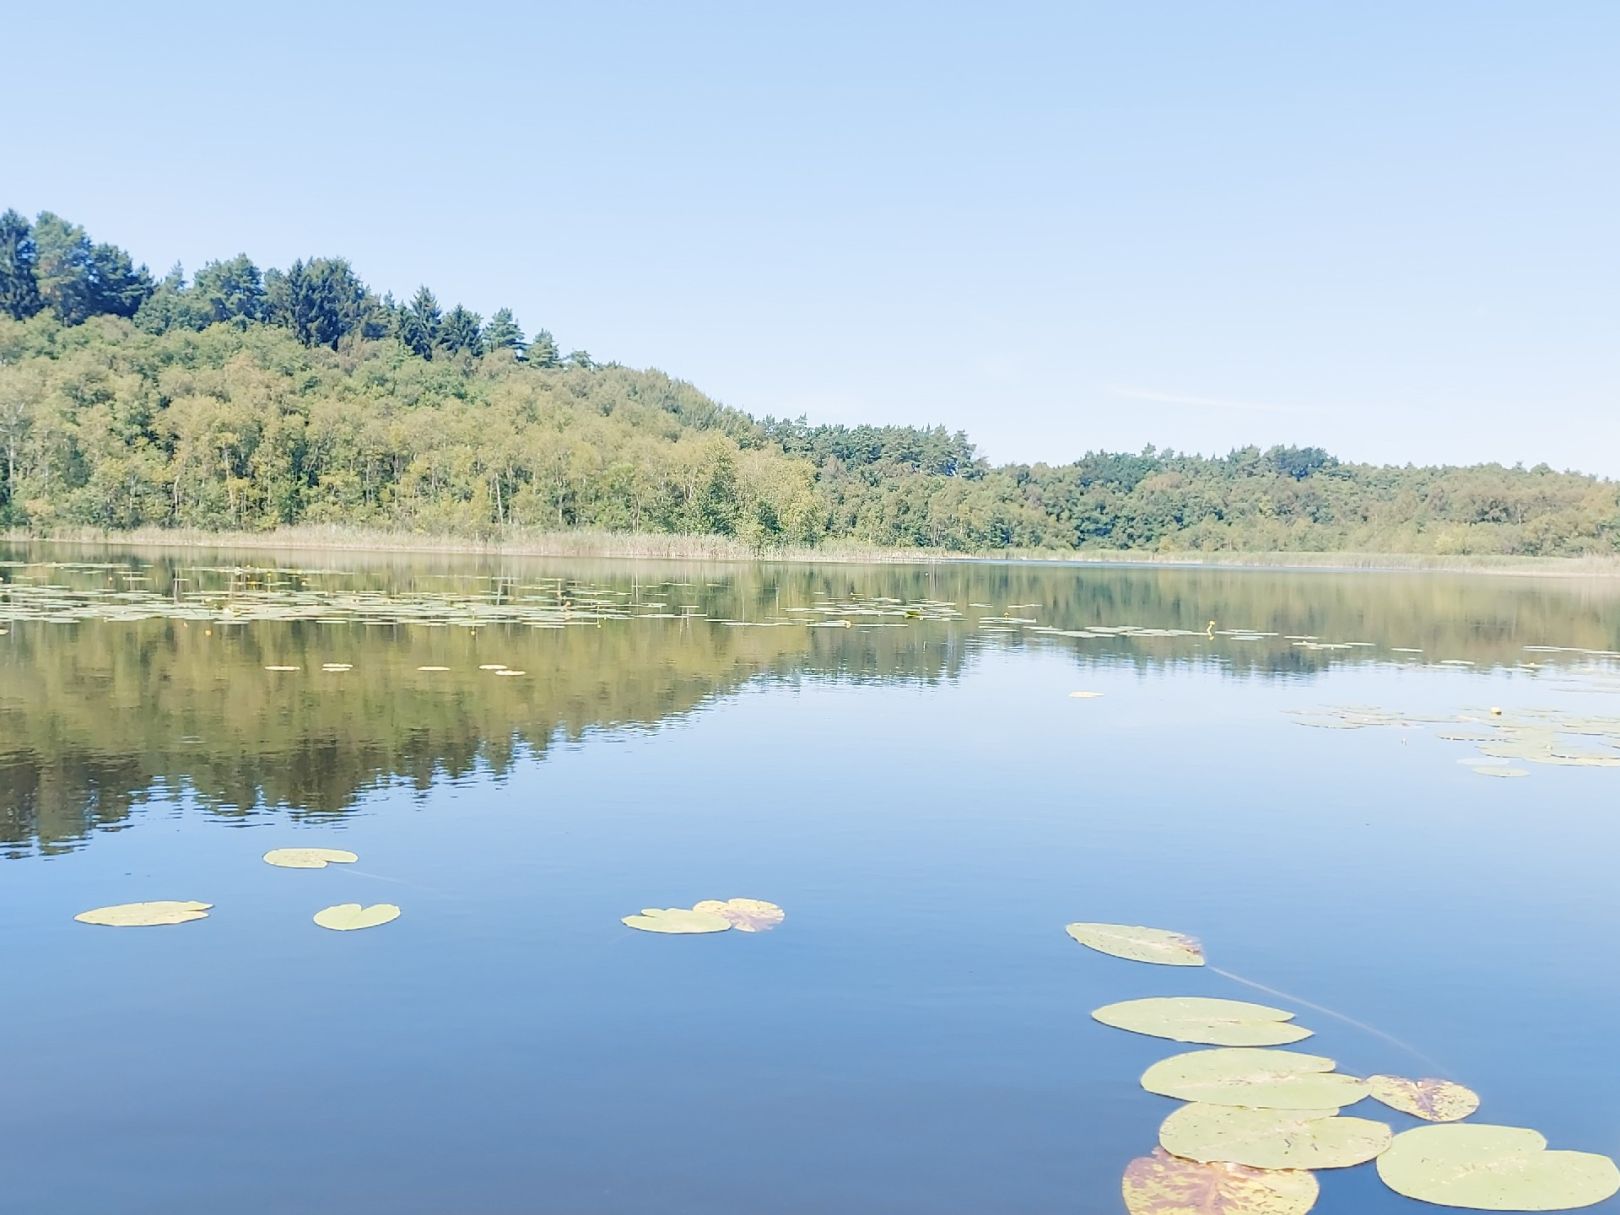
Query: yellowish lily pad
(1206, 1021)
(308, 858)
(745, 915)
(145, 915)
(1162, 1184)
(1494, 1168)
(1429, 1099)
(1271, 1138)
(677, 920)
(1137, 944)
(1262, 1079)
(347, 917)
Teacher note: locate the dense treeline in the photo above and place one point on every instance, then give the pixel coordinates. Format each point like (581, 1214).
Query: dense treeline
(247, 399)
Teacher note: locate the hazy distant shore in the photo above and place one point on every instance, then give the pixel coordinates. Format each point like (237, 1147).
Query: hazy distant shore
(675, 547)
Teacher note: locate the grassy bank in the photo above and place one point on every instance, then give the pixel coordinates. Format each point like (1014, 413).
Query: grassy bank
(669, 547)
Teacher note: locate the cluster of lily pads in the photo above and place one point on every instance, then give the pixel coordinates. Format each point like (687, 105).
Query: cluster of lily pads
(1258, 1120)
(1536, 736)
(711, 915)
(342, 917)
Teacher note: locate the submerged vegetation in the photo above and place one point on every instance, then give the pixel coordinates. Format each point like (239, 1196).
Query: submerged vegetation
(242, 399)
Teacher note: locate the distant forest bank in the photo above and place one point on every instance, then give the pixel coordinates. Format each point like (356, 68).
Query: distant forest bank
(250, 402)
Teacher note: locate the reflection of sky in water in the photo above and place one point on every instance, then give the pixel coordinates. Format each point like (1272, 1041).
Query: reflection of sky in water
(914, 1038)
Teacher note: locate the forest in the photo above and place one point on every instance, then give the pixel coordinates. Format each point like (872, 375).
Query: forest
(246, 399)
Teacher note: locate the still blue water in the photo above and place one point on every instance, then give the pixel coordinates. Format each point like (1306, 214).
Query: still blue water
(928, 804)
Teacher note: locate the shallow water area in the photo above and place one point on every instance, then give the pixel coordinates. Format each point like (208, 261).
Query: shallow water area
(905, 773)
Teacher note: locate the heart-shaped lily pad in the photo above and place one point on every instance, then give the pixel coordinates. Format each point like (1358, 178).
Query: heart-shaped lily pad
(1196, 1019)
(1161, 1184)
(145, 915)
(1272, 1139)
(308, 858)
(677, 920)
(347, 917)
(1494, 1168)
(1137, 944)
(1261, 1079)
(745, 915)
(1429, 1099)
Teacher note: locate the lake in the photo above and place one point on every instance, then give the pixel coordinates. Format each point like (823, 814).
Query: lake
(890, 753)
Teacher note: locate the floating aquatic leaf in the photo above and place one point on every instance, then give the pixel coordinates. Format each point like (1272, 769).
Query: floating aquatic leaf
(346, 917)
(1505, 773)
(143, 915)
(677, 920)
(511, 673)
(1429, 1099)
(1272, 1139)
(492, 666)
(308, 858)
(745, 915)
(1208, 1021)
(1084, 695)
(1161, 1184)
(1263, 1079)
(1494, 1168)
(281, 668)
(432, 668)
(1137, 944)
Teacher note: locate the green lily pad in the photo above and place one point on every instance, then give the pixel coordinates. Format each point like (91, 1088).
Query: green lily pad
(745, 915)
(1271, 1138)
(1137, 944)
(308, 858)
(677, 920)
(1161, 1184)
(1206, 1021)
(145, 915)
(349, 917)
(1494, 1168)
(1429, 1099)
(1262, 1079)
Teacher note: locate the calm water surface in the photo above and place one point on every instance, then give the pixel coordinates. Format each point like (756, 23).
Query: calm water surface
(916, 788)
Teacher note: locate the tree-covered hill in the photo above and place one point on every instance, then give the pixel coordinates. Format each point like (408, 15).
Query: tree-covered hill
(247, 399)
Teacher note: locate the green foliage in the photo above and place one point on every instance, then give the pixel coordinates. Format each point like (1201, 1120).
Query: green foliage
(249, 399)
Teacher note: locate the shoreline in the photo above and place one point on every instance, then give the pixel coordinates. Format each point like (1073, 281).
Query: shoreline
(618, 546)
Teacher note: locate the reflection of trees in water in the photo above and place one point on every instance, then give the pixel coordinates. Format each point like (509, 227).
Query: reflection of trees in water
(98, 717)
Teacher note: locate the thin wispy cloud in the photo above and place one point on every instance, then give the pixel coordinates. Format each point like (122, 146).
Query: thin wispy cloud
(1130, 393)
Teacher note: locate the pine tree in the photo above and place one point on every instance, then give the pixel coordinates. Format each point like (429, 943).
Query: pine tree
(461, 332)
(543, 350)
(19, 292)
(419, 323)
(504, 333)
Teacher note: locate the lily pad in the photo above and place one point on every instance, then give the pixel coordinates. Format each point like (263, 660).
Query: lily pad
(1206, 1021)
(281, 668)
(1494, 1168)
(1273, 1139)
(1084, 695)
(677, 920)
(1137, 944)
(347, 917)
(1429, 1099)
(1161, 1184)
(745, 915)
(145, 915)
(308, 858)
(1261, 1079)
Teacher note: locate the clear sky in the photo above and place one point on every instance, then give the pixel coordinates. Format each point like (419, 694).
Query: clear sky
(1387, 228)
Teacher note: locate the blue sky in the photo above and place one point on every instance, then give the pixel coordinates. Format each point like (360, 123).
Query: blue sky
(1386, 228)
